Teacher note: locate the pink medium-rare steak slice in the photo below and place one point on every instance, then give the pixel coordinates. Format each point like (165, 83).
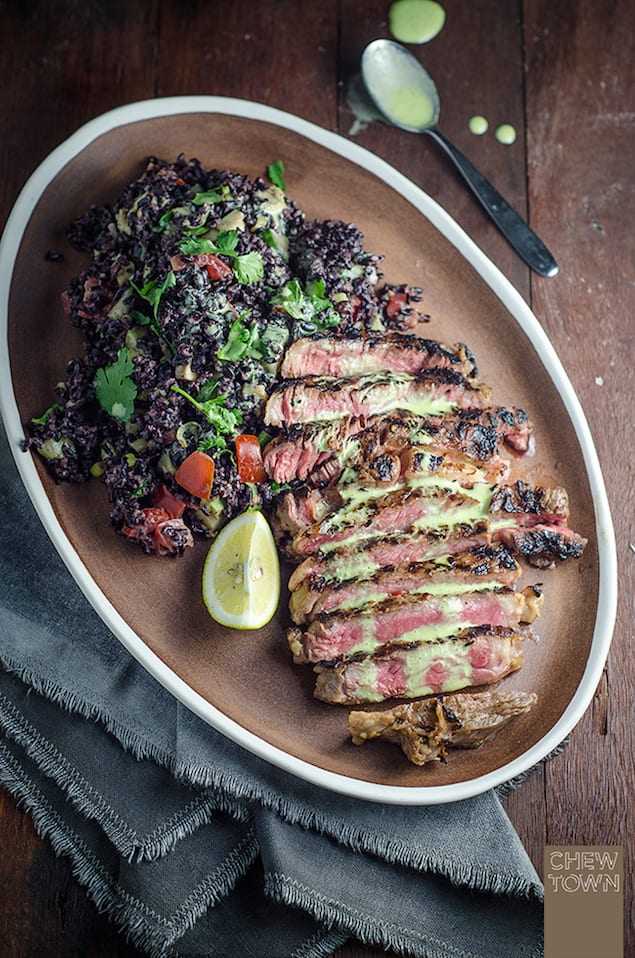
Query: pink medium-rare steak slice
(431, 392)
(404, 510)
(343, 357)
(478, 657)
(540, 544)
(410, 618)
(302, 448)
(479, 568)
(298, 511)
(365, 558)
(308, 507)
(425, 730)
(363, 479)
(428, 507)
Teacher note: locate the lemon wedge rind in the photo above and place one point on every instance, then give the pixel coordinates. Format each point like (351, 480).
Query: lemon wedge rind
(241, 573)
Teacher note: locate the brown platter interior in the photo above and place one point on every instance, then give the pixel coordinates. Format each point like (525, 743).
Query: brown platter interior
(249, 676)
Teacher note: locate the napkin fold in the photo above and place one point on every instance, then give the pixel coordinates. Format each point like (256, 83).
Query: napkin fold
(195, 847)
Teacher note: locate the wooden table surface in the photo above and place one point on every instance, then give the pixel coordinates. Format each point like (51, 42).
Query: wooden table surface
(564, 75)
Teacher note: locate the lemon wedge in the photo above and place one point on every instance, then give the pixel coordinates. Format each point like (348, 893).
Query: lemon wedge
(241, 573)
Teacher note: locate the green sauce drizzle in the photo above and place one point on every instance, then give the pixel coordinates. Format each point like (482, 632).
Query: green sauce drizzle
(478, 125)
(415, 21)
(506, 134)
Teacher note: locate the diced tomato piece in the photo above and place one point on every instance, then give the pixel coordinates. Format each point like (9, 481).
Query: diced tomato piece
(216, 268)
(354, 302)
(165, 499)
(396, 304)
(196, 474)
(249, 459)
(153, 516)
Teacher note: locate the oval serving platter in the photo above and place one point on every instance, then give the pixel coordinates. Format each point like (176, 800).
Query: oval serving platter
(244, 684)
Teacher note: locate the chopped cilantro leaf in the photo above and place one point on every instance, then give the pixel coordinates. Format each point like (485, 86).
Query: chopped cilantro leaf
(212, 196)
(41, 420)
(224, 421)
(315, 294)
(275, 172)
(242, 341)
(226, 242)
(114, 389)
(248, 267)
(311, 304)
(195, 247)
(153, 291)
(291, 299)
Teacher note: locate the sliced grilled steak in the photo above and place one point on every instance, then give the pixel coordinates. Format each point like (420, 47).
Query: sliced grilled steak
(365, 558)
(296, 512)
(480, 568)
(543, 544)
(427, 506)
(476, 431)
(523, 498)
(407, 619)
(446, 463)
(540, 545)
(372, 478)
(407, 509)
(476, 657)
(425, 730)
(338, 356)
(301, 449)
(431, 392)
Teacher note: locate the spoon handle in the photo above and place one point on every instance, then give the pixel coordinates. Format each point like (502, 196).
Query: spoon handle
(516, 231)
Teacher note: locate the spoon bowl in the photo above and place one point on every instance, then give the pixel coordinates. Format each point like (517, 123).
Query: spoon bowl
(406, 97)
(400, 88)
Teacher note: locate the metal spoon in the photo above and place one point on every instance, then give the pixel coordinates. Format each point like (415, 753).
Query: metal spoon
(406, 96)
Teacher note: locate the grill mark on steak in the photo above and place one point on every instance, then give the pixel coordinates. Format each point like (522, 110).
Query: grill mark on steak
(324, 398)
(401, 511)
(365, 558)
(299, 450)
(521, 497)
(543, 545)
(425, 730)
(540, 545)
(338, 356)
(316, 594)
(477, 657)
(407, 619)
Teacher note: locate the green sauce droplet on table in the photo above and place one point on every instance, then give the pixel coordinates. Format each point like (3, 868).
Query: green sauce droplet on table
(478, 125)
(506, 134)
(415, 21)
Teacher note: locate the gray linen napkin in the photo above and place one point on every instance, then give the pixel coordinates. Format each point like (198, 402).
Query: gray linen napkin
(195, 847)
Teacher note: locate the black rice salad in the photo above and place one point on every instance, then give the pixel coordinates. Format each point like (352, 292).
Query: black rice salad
(197, 281)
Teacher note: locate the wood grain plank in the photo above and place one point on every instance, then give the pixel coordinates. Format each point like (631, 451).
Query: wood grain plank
(476, 64)
(43, 910)
(62, 64)
(278, 52)
(581, 140)
(65, 63)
